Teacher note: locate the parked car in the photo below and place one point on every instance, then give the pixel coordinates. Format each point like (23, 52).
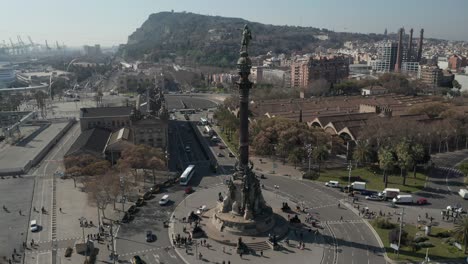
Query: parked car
(421, 201)
(220, 154)
(140, 201)
(231, 155)
(126, 218)
(148, 195)
(221, 146)
(132, 209)
(155, 189)
(150, 237)
(374, 198)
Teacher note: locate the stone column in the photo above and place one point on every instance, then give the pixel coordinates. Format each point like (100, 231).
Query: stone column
(244, 64)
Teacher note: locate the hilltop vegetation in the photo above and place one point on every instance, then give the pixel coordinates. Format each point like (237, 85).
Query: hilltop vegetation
(215, 40)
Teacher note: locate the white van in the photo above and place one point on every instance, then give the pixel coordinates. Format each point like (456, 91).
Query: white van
(164, 200)
(334, 184)
(34, 227)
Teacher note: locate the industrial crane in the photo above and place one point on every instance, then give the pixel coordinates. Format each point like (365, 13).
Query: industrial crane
(58, 46)
(47, 45)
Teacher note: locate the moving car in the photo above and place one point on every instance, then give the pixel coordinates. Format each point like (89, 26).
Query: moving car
(164, 200)
(187, 149)
(221, 146)
(403, 199)
(334, 184)
(189, 190)
(150, 237)
(137, 260)
(421, 201)
(231, 155)
(374, 198)
(34, 226)
(220, 154)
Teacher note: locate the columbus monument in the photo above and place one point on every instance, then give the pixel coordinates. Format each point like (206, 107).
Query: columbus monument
(243, 210)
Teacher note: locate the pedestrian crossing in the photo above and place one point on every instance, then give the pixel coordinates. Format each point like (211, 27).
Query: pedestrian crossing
(339, 222)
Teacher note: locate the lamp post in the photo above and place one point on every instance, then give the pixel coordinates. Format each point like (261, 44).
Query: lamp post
(350, 166)
(401, 227)
(308, 148)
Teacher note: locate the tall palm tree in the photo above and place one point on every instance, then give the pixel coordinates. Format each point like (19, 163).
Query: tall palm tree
(362, 151)
(386, 162)
(461, 230)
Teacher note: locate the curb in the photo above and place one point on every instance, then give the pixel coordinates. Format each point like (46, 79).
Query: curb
(171, 230)
(377, 237)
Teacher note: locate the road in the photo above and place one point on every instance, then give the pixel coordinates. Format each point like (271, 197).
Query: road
(44, 194)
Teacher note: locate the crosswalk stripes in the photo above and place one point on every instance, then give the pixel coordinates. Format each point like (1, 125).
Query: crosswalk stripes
(335, 222)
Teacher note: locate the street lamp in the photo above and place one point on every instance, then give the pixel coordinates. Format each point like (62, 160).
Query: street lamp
(401, 227)
(350, 166)
(308, 148)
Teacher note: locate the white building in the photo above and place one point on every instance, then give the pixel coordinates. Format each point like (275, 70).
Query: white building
(373, 90)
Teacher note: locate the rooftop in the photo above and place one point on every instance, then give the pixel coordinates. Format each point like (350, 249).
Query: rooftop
(91, 140)
(105, 111)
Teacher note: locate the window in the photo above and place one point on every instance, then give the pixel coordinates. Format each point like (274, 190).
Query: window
(150, 140)
(142, 131)
(99, 123)
(142, 141)
(159, 139)
(113, 123)
(150, 130)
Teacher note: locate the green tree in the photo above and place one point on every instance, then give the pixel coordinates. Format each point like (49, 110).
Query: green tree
(417, 154)
(386, 162)
(404, 157)
(319, 154)
(461, 230)
(362, 152)
(296, 156)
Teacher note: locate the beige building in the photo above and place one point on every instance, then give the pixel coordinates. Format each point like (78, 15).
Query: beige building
(332, 69)
(131, 81)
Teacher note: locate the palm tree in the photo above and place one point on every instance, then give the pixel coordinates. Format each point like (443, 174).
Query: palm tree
(319, 154)
(386, 162)
(362, 152)
(461, 230)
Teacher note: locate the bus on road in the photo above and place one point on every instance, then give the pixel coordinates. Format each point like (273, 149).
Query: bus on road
(187, 175)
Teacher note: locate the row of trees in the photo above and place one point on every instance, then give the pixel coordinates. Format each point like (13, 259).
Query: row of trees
(289, 140)
(406, 155)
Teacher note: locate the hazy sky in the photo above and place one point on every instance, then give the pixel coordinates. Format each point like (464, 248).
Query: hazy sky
(108, 22)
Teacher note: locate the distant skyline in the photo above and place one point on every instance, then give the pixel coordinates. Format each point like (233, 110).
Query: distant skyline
(110, 22)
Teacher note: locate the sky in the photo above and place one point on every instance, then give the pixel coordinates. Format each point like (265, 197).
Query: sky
(110, 22)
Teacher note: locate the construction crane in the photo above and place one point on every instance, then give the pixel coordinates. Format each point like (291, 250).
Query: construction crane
(58, 47)
(47, 45)
(13, 47)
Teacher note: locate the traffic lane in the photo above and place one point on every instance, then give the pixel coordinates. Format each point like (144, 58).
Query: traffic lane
(356, 243)
(131, 237)
(438, 192)
(15, 196)
(314, 195)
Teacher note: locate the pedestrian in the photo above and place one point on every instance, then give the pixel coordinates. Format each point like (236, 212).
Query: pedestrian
(224, 250)
(60, 209)
(341, 218)
(240, 254)
(339, 205)
(261, 253)
(419, 218)
(20, 212)
(108, 247)
(427, 215)
(13, 257)
(14, 251)
(229, 262)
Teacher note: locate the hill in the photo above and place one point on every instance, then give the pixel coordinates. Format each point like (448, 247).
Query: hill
(215, 40)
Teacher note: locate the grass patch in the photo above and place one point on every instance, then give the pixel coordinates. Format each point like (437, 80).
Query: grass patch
(440, 250)
(232, 144)
(374, 181)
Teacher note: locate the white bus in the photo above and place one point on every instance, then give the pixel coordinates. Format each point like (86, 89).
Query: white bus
(203, 121)
(187, 175)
